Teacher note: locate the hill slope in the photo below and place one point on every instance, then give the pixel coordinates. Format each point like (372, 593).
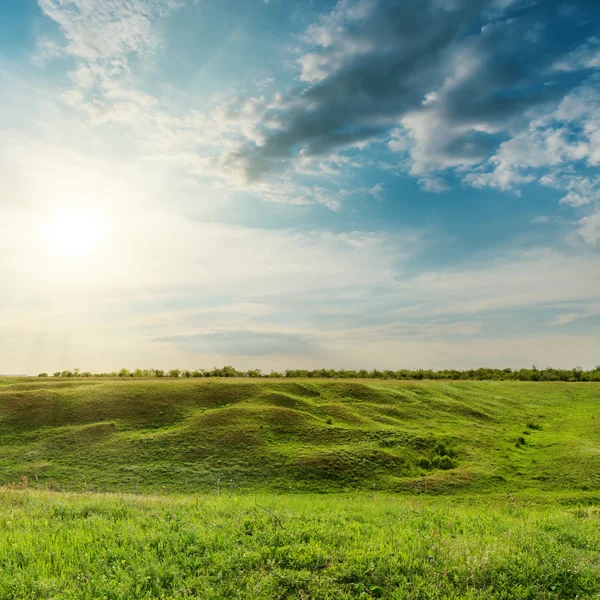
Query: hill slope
(195, 435)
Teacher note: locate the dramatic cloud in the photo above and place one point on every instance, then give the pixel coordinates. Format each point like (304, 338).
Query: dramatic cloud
(446, 80)
(549, 150)
(346, 115)
(470, 87)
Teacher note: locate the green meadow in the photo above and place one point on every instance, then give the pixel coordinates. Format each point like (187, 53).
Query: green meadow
(241, 488)
(57, 545)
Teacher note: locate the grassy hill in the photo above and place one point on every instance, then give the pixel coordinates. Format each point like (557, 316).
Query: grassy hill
(300, 435)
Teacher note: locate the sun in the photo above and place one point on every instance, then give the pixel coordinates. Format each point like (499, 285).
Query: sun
(73, 235)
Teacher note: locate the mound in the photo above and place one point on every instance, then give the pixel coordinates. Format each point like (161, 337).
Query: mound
(193, 435)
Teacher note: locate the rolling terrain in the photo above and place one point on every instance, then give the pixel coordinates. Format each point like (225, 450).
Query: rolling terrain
(300, 435)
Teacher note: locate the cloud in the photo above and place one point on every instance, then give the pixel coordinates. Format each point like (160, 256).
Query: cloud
(568, 134)
(536, 277)
(208, 290)
(433, 184)
(366, 64)
(590, 310)
(103, 36)
(443, 85)
(101, 30)
(565, 318)
(575, 200)
(560, 150)
(240, 343)
(589, 229)
(587, 56)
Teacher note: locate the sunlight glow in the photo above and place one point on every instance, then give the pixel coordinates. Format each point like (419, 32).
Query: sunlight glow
(73, 235)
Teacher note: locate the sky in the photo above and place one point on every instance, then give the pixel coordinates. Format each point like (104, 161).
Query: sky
(275, 184)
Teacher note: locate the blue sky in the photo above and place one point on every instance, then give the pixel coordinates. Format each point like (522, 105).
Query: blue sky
(299, 184)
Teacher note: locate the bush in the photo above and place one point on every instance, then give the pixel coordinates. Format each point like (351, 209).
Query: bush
(534, 425)
(424, 463)
(442, 450)
(443, 462)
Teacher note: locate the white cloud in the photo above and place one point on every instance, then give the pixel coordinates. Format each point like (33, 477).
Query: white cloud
(589, 229)
(442, 92)
(47, 49)
(565, 318)
(103, 35)
(554, 150)
(438, 90)
(101, 30)
(433, 184)
(587, 56)
(345, 299)
(574, 199)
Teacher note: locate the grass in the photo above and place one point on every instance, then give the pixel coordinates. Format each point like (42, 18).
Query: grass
(299, 489)
(92, 546)
(305, 436)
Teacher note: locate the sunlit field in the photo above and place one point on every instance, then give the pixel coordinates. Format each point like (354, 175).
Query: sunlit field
(302, 435)
(57, 545)
(301, 489)
(299, 300)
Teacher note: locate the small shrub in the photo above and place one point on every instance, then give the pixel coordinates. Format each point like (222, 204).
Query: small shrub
(424, 463)
(441, 450)
(443, 462)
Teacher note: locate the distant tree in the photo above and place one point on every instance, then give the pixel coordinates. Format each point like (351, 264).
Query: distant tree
(576, 374)
(229, 371)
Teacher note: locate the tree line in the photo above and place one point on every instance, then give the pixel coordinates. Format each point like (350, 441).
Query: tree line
(481, 374)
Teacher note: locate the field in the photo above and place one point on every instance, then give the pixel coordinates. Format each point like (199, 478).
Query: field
(196, 436)
(56, 545)
(299, 489)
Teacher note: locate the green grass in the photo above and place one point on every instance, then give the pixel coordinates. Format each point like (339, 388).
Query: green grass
(302, 435)
(91, 546)
(299, 489)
